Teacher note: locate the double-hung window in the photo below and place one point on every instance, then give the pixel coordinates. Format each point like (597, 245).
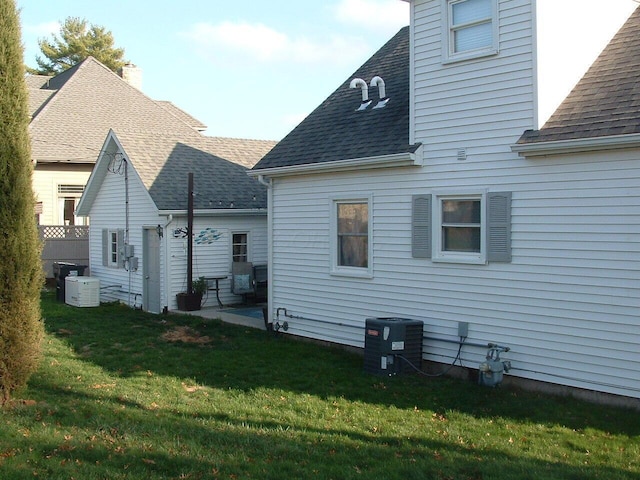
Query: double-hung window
(471, 29)
(459, 223)
(351, 233)
(462, 227)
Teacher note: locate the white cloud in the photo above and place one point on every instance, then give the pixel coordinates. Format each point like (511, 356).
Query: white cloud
(379, 15)
(42, 29)
(242, 42)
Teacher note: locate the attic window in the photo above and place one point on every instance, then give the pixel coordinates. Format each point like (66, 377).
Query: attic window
(471, 29)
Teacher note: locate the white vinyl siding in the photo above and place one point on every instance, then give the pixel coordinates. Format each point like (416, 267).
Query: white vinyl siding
(564, 297)
(214, 258)
(108, 216)
(481, 106)
(47, 178)
(566, 304)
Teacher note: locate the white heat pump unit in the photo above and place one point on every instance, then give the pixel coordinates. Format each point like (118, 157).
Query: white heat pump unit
(82, 291)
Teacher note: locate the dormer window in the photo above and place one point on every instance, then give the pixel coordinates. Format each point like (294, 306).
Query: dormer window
(471, 29)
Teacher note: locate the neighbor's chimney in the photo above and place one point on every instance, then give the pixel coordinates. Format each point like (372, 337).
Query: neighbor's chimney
(132, 75)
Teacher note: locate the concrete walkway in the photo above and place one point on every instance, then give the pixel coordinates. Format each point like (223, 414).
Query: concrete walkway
(226, 315)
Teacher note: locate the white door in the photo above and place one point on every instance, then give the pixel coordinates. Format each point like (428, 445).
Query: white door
(151, 270)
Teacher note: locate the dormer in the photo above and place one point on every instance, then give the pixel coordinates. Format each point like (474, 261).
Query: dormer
(473, 71)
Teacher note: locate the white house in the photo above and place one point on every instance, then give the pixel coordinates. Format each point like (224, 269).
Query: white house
(446, 205)
(137, 198)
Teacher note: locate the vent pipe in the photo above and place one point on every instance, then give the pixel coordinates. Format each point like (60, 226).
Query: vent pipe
(358, 82)
(379, 82)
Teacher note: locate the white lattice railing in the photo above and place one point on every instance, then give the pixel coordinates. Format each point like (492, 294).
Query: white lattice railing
(63, 231)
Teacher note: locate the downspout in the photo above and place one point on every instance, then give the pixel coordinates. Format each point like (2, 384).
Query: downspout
(268, 182)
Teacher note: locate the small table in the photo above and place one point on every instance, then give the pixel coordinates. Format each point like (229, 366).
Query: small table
(217, 287)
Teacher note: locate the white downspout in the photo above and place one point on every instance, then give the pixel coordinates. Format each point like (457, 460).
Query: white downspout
(268, 182)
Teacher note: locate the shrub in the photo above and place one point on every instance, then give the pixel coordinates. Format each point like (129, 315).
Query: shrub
(21, 277)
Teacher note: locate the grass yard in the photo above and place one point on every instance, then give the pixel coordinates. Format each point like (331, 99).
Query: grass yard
(122, 394)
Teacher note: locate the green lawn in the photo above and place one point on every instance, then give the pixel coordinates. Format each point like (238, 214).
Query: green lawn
(120, 395)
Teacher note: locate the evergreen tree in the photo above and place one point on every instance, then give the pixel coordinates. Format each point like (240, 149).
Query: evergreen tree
(77, 41)
(21, 276)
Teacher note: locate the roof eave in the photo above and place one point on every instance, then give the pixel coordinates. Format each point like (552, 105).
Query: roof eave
(404, 159)
(216, 212)
(577, 145)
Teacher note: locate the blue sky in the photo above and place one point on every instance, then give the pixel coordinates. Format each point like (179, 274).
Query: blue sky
(255, 68)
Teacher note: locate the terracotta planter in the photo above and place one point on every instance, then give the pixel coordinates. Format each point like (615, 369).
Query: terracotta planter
(188, 302)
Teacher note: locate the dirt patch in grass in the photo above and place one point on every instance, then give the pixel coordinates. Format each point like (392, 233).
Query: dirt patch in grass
(186, 334)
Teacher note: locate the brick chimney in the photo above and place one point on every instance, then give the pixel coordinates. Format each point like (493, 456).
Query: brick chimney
(131, 74)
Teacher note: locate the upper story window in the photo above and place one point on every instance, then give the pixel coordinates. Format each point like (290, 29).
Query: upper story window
(471, 29)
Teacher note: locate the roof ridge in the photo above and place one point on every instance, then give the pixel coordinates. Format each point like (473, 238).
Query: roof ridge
(71, 72)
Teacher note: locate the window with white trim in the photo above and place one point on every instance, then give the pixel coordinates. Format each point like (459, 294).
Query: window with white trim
(112, 245)
(240, 247)
(351, 233)
(459, 221)
(471, 29)
(462, 228)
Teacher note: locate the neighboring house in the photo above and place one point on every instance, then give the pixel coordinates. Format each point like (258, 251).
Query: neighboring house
(71, 114)
(137, 199)
(445, 205)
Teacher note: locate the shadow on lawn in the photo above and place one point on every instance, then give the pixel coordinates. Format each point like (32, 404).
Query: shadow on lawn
(126, 342)
(124, 446)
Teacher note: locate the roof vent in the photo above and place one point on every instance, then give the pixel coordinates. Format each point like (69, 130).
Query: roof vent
(379, 82)
(358, 82)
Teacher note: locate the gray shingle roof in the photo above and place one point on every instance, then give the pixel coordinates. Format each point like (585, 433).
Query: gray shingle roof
(335, 131)
(164, 161)
(182, 115)
(606, 101)
(88, 100)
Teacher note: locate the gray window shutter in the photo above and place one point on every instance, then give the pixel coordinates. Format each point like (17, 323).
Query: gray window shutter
(120, 248)
(421, 226)
(499, 227)
(105, 247)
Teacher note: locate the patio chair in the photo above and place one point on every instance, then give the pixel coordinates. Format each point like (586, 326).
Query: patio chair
(242, 280)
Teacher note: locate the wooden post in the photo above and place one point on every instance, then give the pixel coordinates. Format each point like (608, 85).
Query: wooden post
(190, 236)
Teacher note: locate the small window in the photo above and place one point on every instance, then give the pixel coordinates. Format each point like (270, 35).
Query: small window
(459, 225)
(351, 246)
(471, 29)
(112, 245)
(113, 248)
(239, 247)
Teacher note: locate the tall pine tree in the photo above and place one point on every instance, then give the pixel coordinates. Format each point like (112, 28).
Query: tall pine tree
(77, 41)
(21, 276)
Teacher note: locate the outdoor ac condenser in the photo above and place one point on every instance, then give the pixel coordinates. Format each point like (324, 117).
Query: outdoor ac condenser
(390, 343)
(82, 291)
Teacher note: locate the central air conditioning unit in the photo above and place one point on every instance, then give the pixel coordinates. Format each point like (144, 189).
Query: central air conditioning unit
(82, 291)
(390, 343)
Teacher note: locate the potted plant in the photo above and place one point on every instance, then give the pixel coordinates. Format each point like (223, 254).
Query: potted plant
(189, 301)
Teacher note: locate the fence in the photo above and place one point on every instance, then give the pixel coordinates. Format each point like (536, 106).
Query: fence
(64, 243)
